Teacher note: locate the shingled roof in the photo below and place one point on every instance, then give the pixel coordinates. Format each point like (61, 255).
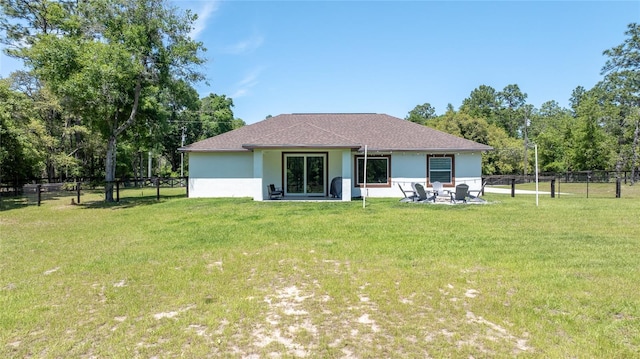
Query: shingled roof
(379, 132)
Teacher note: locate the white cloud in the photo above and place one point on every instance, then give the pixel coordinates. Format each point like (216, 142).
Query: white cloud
(247, 83)
(204, 14)
(239, 93)
(245, 46)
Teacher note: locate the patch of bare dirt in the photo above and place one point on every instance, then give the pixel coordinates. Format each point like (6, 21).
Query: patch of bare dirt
(302, 320)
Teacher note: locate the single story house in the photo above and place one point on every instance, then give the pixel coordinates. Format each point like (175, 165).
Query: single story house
(303, 153)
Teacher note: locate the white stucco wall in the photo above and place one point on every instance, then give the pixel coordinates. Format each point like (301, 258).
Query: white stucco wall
(409, 167)
(406, 167)
(248, 174)
(469, 169)
(347, 175)
(221, 175)
(335, 164)
(272, 171)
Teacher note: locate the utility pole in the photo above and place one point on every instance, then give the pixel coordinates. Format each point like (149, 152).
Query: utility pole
(182, 153)
(149, 160)
(526, 145)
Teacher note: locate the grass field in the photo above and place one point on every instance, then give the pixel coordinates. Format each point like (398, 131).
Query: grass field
(202, 278)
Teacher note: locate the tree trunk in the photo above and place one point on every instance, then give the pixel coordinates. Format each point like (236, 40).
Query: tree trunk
(110, 163)
(110, 168)
(620, 161)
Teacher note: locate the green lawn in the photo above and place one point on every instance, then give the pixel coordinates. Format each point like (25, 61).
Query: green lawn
(201, 278)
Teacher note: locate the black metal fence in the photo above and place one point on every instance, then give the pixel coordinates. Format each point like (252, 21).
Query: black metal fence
(567, 177)
(35, 193)
(605, 184)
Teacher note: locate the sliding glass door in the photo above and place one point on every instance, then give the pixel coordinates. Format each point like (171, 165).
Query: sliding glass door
(305, 174)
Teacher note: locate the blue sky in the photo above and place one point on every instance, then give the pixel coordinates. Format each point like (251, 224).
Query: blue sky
(276, 57)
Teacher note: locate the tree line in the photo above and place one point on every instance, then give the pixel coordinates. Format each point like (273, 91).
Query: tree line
(108, 87)
(600, 130)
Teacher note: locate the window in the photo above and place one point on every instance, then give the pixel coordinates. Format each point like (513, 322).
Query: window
(441, 169)
(378, 171)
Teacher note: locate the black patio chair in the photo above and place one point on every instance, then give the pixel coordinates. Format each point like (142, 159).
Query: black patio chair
(275, 193)
(422, 194)
(461, 193)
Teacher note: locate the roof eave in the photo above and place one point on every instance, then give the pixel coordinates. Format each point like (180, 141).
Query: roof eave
(203, 150)
(251, 147)
(262, 146)
(443, 150)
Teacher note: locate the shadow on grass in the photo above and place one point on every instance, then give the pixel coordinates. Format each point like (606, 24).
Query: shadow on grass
(9, 203)
(129, 202)
(16, 202)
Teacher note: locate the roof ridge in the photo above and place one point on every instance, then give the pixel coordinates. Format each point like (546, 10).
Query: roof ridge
(335, 134)
(335, 113)
(299, 124)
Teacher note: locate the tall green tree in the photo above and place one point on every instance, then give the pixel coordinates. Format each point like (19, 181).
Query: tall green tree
(576, 97)
(105, 58)
(22, 154)
(69, 144)
(622, 85)
(514, 117)
(183, 103)
(512, 110)
(621, 121)
(421, 113)
(483, 102)
(593, 149)
(462, 125)
(506, 158)
(551, 129)
(216, 115)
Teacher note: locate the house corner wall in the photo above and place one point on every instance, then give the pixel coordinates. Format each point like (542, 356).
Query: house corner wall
(218, 175)
(347, 167)
(468, 169)
(258, 194)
